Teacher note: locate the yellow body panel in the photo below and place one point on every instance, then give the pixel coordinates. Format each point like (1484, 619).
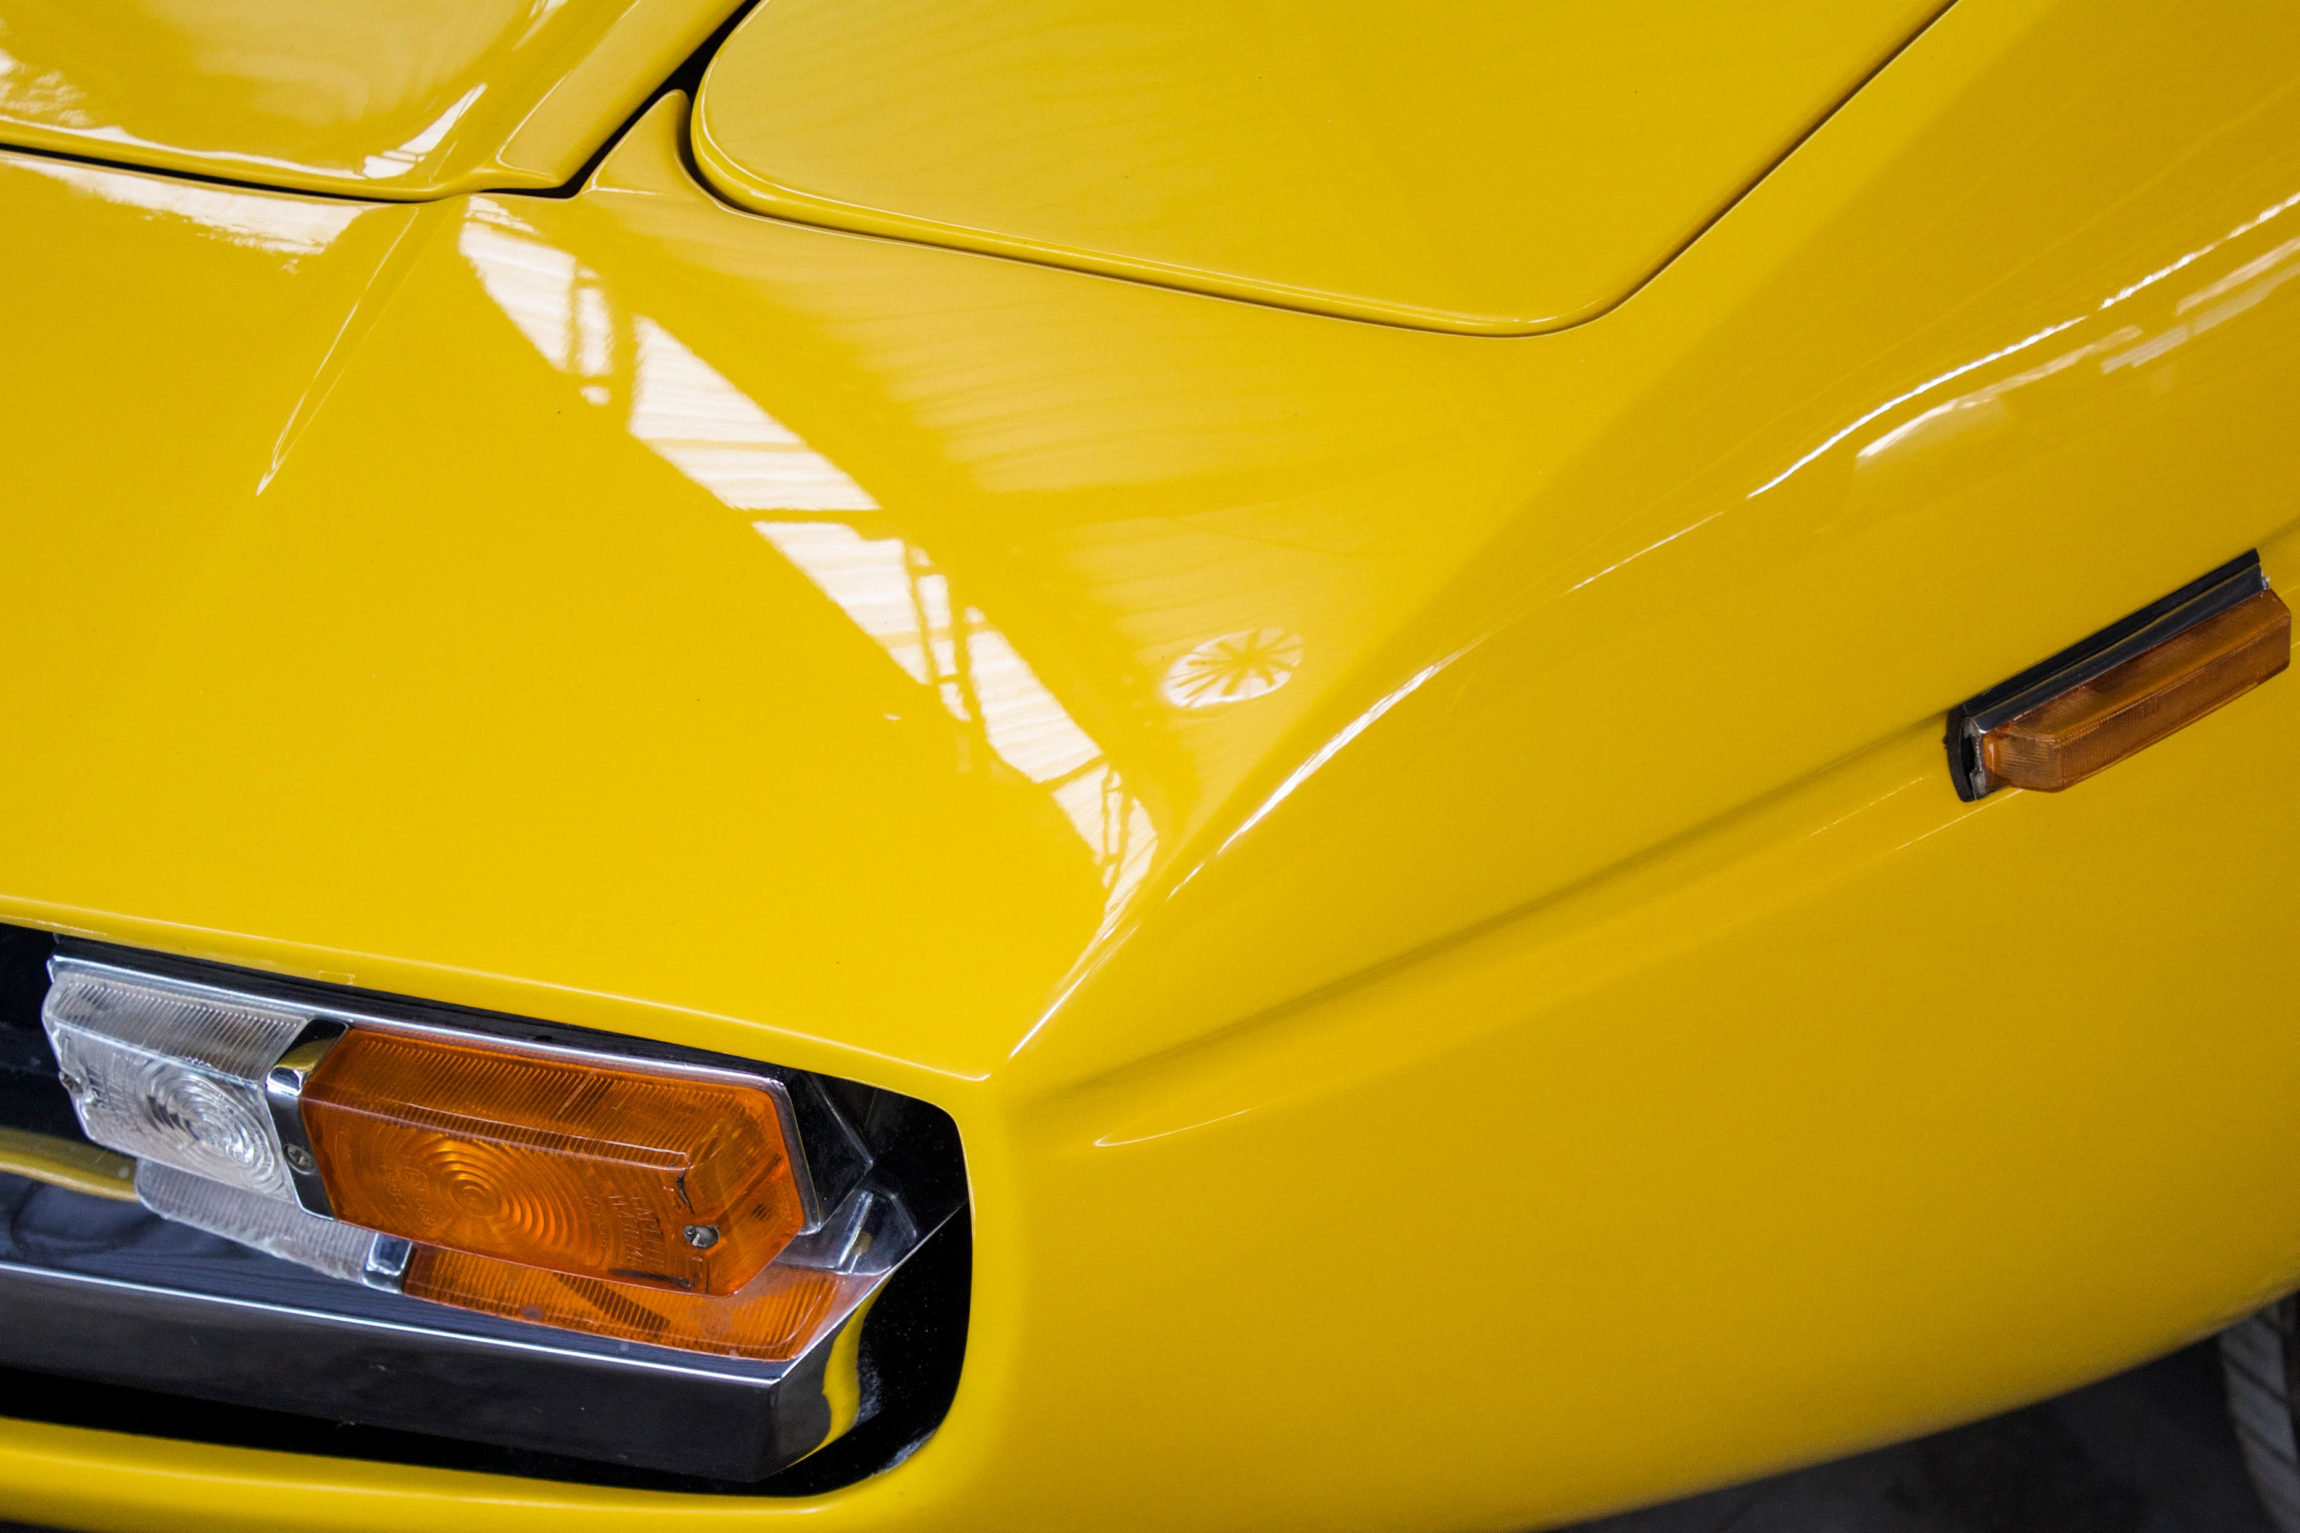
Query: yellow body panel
(1422, 866)
(378, 98)
(1493, 169)
(68, 1163)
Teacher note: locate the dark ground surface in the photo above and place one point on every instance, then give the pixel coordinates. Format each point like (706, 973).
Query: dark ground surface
(2149, 1451)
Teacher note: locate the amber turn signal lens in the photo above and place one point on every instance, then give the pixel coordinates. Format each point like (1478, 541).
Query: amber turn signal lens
(2067, 738)
(585, 1168)
(773, 1318)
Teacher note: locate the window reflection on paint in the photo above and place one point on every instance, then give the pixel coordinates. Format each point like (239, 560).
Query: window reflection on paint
(1233, 668)
(2214, 304)
(284, 225)
(713, 433)
(1986, 402)
(892, 591)
(29, 94)
(353, 66)
(539, 288)
(2116, 334)
(693, 417)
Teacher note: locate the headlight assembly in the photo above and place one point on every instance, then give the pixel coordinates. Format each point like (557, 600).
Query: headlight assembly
(596, 1229)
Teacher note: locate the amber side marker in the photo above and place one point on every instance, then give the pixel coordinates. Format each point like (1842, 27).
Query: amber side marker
(2125, 688)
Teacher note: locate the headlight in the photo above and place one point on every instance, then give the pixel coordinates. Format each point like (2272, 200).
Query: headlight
(476, 1185)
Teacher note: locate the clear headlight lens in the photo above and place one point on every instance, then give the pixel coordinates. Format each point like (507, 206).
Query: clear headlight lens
(172, 1074)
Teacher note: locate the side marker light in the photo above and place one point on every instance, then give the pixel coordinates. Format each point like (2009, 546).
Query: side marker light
(2124, 688)
(2100, 722)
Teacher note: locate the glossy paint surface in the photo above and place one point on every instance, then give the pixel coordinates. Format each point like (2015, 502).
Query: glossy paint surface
(383, 98)
(1422, 866)
(1495, 169)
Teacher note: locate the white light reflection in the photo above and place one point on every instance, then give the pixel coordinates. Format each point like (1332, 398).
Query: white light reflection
(41, 96)
(1925, 387)
(2214, 304)
(1285, 790)
(1988, 394)
(903, 606)
(1642, 552)
(713, 433)
(696, 419)
(2261, 272)
(888, 589)
(393, 163)
(538, 287)
(2247, 279)
(1233, 668)
(1333, 747)
(2198, 254)
(290, 226)
(680, 405)
(1114, 1142)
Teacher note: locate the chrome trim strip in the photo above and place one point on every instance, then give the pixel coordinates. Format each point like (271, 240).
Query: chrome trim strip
(283, 1094)
(721, 1423)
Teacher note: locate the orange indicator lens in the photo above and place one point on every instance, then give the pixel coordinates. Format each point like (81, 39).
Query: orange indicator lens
(595, 1170)
(773, 1318)
(2067, 738)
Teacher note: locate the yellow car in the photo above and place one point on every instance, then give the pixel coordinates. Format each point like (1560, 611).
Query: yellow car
(1058, 764)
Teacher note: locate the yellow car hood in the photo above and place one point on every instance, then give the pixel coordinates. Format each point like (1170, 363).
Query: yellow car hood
(938, 660)
(1463, 165)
